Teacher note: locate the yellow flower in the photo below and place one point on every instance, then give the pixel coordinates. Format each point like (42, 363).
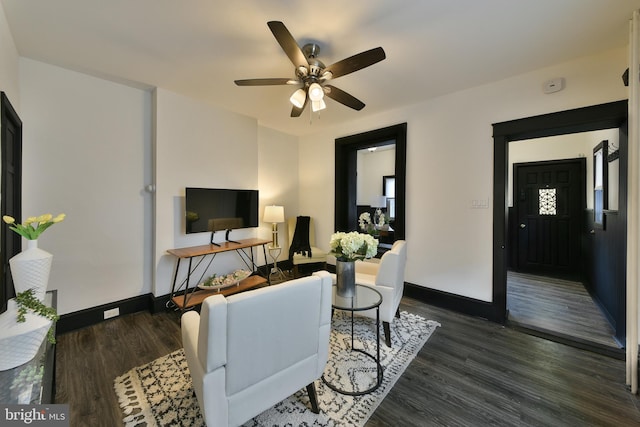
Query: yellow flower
(44, 218)
(33, 226)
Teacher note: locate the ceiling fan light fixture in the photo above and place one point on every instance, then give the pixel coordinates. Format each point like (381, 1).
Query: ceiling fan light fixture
(298, 98)
(318, 105)
(315, 92)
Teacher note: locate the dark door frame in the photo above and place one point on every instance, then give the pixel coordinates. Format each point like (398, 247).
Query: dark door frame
(11, 198)
(346, 148)
(597, 117)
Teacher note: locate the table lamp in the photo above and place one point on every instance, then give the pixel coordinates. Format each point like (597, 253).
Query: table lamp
(274, 214)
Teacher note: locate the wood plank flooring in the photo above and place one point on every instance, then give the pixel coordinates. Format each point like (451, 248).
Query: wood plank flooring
(471, 372)
(556, 306)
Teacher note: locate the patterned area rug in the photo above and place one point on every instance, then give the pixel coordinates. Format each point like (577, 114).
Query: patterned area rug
(160, 393)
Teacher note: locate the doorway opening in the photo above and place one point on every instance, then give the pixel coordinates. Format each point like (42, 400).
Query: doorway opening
(602, 256)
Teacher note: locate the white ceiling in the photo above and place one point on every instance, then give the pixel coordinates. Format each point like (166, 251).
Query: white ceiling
(199, 47)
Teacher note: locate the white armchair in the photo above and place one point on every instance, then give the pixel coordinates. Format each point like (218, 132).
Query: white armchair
(251, 350)
(387, 277)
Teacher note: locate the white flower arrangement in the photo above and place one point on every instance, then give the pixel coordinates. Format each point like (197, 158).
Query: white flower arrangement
(364, 221)
(353, 246)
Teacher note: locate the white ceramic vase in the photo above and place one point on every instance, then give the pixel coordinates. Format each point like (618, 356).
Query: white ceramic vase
(30, 270)
(20, 341)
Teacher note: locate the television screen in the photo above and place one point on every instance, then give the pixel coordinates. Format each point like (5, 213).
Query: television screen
(215, 209)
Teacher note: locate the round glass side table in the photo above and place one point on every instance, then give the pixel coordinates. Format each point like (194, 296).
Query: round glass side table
(365, 298)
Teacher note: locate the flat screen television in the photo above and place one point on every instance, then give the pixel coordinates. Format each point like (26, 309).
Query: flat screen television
(220, 209)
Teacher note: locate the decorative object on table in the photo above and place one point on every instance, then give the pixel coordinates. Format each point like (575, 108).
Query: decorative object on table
(366, 224)
(22, 329)
(216, 282)
(275, 215)
(161, 392)
(30, 268)
(347, 248)
(379, 202)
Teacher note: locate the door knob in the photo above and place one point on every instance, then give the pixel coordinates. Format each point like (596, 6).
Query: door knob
(523, 226)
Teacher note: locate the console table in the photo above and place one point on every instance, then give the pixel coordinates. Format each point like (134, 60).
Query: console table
(34, 381)
(190, 296)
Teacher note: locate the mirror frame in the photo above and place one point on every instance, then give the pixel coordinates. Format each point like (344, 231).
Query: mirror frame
(346, 149)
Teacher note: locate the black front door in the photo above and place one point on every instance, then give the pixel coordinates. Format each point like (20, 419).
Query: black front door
(549, 198)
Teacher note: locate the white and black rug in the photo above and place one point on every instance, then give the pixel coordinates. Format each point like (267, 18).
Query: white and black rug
(160, 393)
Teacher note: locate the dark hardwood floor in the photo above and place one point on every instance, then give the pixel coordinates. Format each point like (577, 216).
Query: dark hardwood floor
(471, 372)
(560, 308)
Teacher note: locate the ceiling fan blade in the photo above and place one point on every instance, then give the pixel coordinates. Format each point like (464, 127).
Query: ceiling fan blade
(265, 82)
(343, 97)
(356, 62)
(295, 111)
(288, 43)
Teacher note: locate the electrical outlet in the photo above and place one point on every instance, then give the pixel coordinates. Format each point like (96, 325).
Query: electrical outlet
(114, 312)
(480, 204)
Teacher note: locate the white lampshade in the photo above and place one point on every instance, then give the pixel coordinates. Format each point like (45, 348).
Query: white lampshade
(273, 214)
(379, 202)
(315, 92)
(318, 105)
(298, 98)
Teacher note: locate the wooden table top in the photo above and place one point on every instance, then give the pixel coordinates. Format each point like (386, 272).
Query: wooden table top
(194, 251)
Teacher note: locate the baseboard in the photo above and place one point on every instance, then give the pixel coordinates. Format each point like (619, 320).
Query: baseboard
(90, 316)
(460, 304)
(158, 304)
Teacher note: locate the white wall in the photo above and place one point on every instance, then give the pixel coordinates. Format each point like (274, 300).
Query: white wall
(197, 145)
(450, 163)
(85, 153)
(8, 63)
(278, 178)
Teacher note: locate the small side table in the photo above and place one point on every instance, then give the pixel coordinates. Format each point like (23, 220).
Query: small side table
(365, 298)
(274, 253)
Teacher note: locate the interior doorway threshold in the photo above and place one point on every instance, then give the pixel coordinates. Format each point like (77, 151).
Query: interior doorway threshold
(583, 344)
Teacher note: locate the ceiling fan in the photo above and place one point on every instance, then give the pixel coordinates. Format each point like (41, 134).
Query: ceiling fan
(313, 75)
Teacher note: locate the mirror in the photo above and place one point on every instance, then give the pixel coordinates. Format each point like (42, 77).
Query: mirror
(375, 179)
(347, 172)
